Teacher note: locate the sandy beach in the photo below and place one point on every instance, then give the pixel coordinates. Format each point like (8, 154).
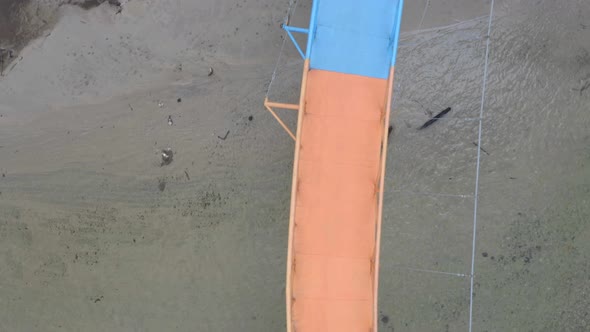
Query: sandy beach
(97, 233)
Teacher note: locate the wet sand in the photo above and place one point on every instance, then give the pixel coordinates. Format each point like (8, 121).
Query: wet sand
(97, 234)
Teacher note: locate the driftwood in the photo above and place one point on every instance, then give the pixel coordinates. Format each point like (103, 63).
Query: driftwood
(435, 118)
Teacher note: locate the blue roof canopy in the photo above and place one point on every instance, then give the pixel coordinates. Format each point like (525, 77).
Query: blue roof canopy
(354, 37)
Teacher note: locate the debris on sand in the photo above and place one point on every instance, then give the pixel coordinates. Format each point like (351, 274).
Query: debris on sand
(224, 137)
(435, 118)
(210, 71)
(170, 122)
(167, 157)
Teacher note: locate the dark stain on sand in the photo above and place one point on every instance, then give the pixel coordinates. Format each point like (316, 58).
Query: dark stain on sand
(162, 184)
(89, 4)
(18, 26)
(24, 20)
(10, 20)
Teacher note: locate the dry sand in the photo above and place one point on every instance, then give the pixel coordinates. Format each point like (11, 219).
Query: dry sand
(97, 235)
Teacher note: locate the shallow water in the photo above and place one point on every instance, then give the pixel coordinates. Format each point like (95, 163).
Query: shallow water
(90, 239)
(531, 261)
